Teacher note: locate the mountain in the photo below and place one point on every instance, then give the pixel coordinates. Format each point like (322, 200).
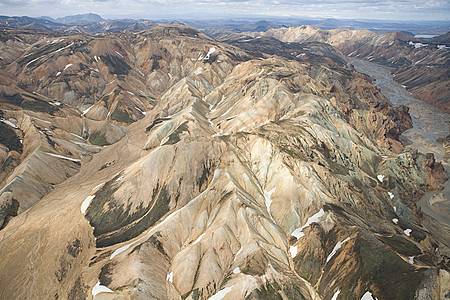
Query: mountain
(164, 164)
(80, 19)
(422, 67)
(31, 23)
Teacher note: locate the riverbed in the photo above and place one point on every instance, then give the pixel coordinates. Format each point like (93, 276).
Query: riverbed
(429, 124)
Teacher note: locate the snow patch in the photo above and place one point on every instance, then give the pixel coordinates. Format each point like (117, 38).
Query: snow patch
(380, 177)
(86, 203)
(57, 74)
(68, 66)
(63, 157)
(298, 233)
(416, 45)
(391, 195)
(411, 260)
(100, 289)
(293, 251)
(142, 112)
(268, 200)
(9, 123)
(76, 135)
(87, 110)
(408, 232)
(236, 270)
(368, 296)
(221, 294)
(336, 295)
(395, 208)
(198, 239)
(442, 47)
(336, 248)
(170, 277)
(121, 249)
(395, 220)
(211, 51)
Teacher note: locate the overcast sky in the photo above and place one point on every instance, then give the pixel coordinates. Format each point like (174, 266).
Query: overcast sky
(152, 9)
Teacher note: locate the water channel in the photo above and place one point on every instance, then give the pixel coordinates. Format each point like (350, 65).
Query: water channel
(429, 124)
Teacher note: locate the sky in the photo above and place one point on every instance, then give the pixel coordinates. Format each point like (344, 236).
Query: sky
(410, 10)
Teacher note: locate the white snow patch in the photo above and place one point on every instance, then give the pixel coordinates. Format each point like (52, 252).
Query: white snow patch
(268, 200)
(100, 289)
(170, 277)
(68, 66)
(95, 57)
(336, 295)
(76, 135)
(380, 177)
(211, 51)
(63, 48)
(119, 54)
(198, 239)
(298, 233)
(441, 47)
(408, 232)
(236, 270)
(368, 296)
(86, 203)
(395, 208)
(416, 45)
(34, 60)
(293, 251)
(9, 123)
(411, 260)
(131, 93)
(121, 249)
(63, 157)
(395, 220)
(57, 74)
(336, 248)
(142, 112)
(391, 195)
(87, 110)
(221, 294)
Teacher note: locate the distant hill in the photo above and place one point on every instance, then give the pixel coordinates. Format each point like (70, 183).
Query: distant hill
(442, 39)
(27, 22)
(81, 19)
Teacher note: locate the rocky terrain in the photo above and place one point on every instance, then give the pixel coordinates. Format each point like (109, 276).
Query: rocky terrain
(164, 164)
(422, 67)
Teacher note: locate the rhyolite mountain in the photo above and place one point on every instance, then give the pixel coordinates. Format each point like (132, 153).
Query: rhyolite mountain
(422, 67)
(164, 164)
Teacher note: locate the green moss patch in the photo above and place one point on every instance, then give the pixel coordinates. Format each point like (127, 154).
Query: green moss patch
(114, 223)
(121, 116)
(115, 64)
(401, 245)
(98, 138)
(175, 136)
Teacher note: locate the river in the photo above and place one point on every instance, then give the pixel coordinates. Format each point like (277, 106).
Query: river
(429, 124)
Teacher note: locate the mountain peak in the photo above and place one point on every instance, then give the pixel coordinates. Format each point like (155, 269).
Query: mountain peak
(80, 19)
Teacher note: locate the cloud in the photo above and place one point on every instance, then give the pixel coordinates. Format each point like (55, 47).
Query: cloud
(401, 9)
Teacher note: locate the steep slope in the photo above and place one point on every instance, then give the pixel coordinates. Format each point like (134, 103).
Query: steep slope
(421, 67)
(250, 175)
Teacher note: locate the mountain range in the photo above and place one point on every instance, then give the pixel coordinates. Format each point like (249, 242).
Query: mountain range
(162, 163)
